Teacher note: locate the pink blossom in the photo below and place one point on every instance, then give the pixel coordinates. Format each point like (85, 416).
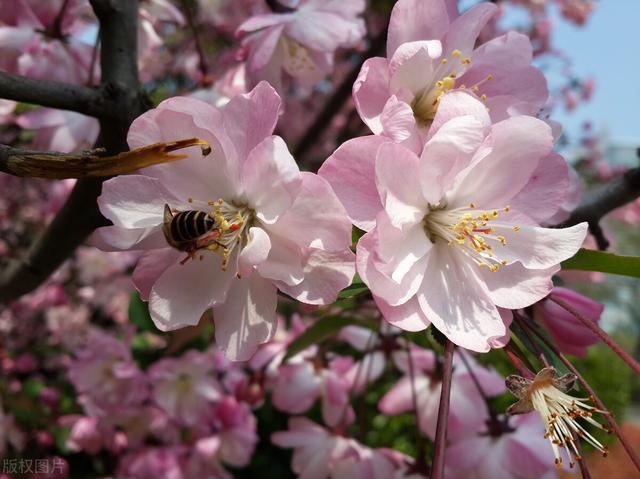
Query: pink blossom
(31, 44)
(152, 463)
(570, 334)
(578, 11)
(290, 230)
(515, 449)
(454, 234)
(237, 429)
(429, 53)
(85, 435)
(298, 385)
(300, 42)
(60, 130)
(105, 374)
(319, 454)
(185, 387)
(467, 411)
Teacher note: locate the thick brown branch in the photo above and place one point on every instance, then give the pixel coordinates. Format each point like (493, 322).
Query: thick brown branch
(80, 216)
(618, 192)
(81, 99)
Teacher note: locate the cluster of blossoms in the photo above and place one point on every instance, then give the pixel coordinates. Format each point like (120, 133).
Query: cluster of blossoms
(456, 193)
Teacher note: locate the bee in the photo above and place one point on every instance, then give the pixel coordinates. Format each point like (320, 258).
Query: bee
(189, 230)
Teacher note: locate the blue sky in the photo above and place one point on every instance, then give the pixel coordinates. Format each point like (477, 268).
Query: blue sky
(607, 48)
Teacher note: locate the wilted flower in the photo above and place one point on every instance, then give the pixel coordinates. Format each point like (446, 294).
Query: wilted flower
(547, 394)
(272, 227)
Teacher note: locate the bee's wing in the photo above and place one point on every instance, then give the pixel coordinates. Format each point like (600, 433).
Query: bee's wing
(166, 225)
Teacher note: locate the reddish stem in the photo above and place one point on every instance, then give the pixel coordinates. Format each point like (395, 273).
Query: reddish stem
(633, 455)
(524, 371)
(608, 340)
(420, 451)
(437, 466)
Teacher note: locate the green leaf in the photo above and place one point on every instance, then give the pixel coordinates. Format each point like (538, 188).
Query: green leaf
(356, 234)
(322, 330)
(592, 260)
(139, 314)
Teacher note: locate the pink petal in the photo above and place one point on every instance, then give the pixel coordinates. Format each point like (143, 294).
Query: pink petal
(371, 92)
(296, 388)
(255, 252)
(447, 153)
(458, 103)
(116, 238)
(398, 182)
(407, 316)
(185, 291)
(514, 287)
(134, 201)
(335, 399)
(539, 248)
(416, 20)
(412, 66)
(456, 301)
(151, 265)
(397, 120)
(247, 318)
(325, 275)
(464, 30)
(517, 146)
(399, 398)
(546, 190)
(271, 179)
(325, 31)
(351, 172)
(258, 22)
(252, 117)
(284, 263)
(316, 219)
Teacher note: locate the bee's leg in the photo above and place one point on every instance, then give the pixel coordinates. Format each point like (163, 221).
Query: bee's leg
(191, 254)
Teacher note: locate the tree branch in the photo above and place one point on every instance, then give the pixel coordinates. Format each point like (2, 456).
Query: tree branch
(80, 216)
(440, 442)
(52, 94)
(618, 192)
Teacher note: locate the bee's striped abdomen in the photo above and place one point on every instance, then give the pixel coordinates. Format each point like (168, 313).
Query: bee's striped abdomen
(190, 225)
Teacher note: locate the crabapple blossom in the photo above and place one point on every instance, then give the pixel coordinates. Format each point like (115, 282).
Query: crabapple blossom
(60, 130)
(319, 454)
(509, 448)
(300, 42)
(42, 41)
(185, 387)
(467, 411)
(570, 335)
(454, 234)
(277, 228)
(106, 376)
(431, 52)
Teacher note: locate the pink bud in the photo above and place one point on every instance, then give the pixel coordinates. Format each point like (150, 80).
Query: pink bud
(570, 334)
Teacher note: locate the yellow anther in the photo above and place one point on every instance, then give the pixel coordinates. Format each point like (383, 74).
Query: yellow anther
(507, 208)
(493, 268)
(190, 200)
(456, 53)
(503, 262)
(443, 61)
(489, 77)
(502, 240)
(483, 97)
(466, 61)
(516, 228)
(475, 88)
(482, 264)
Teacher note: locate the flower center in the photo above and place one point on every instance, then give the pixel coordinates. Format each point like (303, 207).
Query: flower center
(233, 221)
(468, 229)
(425, 103)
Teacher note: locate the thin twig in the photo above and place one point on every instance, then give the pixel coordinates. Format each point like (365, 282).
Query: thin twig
(437, 465)
(631, 452)
(420, 446)
(188, 7)
(476, 382)
(593, 326)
